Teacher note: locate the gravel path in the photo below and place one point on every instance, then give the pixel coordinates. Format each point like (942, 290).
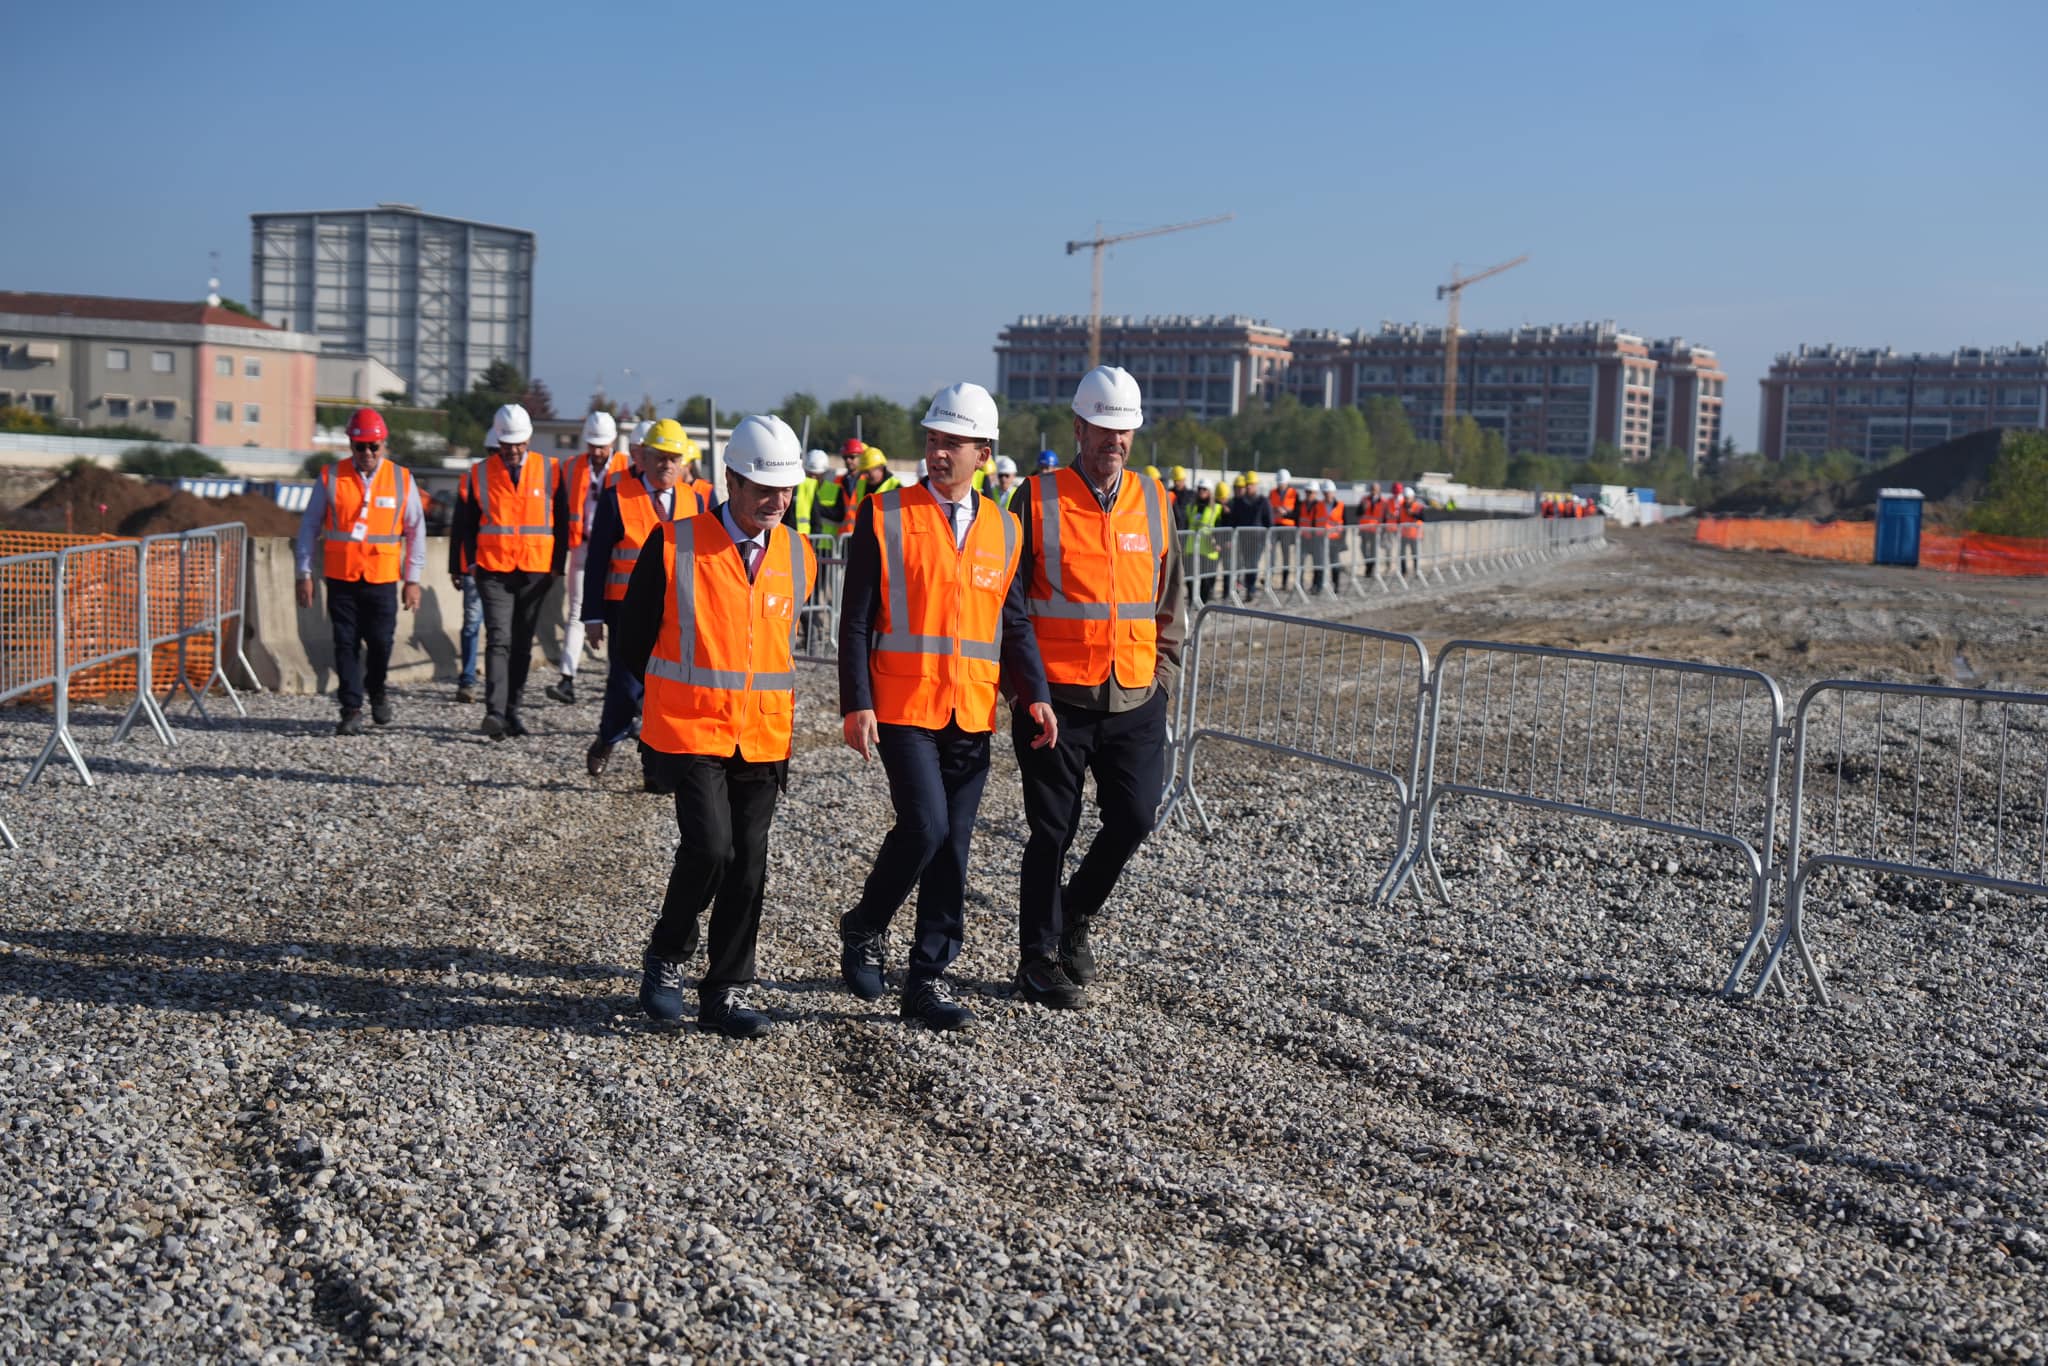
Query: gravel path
(320, 1049)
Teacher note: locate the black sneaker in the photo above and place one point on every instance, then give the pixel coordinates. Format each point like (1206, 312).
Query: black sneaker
(493, 726)
(1076, 957)
(562, 691)
(351, 723)
(1046, 983)
(724, 1010)
(514, 727)
(861, 960)
(661, 987)
(596, 757)
(380, 710)
(930, 1002)
(465, 693)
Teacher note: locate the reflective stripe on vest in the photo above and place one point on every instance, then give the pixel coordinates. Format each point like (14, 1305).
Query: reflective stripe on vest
(1059, 605)
(485, 526)
(684, 668)
(636, 526)
(506, 542)
(374, 557)
(898, 640)
(369, 493)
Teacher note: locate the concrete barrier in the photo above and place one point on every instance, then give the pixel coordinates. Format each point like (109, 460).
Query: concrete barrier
(292, 650)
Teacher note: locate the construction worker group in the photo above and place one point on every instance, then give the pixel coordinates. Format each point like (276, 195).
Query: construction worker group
(971, 589)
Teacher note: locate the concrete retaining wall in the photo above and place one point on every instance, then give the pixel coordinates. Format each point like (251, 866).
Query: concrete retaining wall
(293, 650)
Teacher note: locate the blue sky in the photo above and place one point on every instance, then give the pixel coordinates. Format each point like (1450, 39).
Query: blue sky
(746, 200)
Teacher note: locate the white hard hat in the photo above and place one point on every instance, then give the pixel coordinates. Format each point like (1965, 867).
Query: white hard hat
(817, 462)
(1108, 397)
(1206, 485)
(640, 431)
(763, 450)
(1329, 486)
(513, 424)
(599, 430)
(491, 436)
(963, 410)
(1282, 478)
(1005, 465)
(922, 469)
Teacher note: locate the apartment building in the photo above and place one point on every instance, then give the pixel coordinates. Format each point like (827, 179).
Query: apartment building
(187, 371)
(1875, 401)
(1202, 367)
(1685, 410)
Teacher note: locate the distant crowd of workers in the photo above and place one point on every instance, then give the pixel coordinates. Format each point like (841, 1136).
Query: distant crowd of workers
(1061, 595)
(1566, 505)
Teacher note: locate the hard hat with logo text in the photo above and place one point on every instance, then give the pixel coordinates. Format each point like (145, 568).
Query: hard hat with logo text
(1108, 397)
(668, 437)
(763, 450)
(963, 410)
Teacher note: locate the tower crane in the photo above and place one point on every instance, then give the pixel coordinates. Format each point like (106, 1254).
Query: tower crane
(1098, 242)
(1454, 291)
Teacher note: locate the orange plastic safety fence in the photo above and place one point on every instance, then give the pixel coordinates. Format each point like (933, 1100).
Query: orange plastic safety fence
(1974, 552)
(101, 615)
(1852, 542)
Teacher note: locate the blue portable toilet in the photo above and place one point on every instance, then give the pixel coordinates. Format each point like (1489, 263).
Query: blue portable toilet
(1898, 526)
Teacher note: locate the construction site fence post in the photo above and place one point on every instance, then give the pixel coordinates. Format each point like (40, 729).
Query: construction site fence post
(818, 626)
(31, 638)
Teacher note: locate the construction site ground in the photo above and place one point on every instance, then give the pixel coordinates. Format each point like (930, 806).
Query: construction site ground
(319, 1048)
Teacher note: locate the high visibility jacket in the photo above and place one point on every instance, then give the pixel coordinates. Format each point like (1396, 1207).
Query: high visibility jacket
(806, 500)
(1411, 520)
(517, 527)
(827, 498)
(937, 650)
(374, 555)
(1284, 502)
(860, 493)
(1094, 584)
(706, 494)
(1202, 519)
(639, 516)
(722, 677)
(582, 501)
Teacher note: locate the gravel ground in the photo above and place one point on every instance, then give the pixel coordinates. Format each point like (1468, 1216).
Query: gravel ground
(323, 1049)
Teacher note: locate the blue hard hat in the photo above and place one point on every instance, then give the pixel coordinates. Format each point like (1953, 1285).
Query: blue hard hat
(1048, 460)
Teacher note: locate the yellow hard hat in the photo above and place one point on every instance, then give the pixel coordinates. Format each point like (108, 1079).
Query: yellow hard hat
(988, 467)
(871, 459)
(1152, 470)
(1180, 471)
(667, 437)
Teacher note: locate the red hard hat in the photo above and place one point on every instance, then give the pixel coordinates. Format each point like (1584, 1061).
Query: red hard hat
(854, 446)
(1399, 489)
(366, 424)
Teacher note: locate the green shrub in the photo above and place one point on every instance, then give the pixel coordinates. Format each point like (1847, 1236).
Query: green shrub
(169, 461)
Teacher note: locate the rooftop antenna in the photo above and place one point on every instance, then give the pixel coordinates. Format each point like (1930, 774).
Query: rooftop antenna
(213, 280)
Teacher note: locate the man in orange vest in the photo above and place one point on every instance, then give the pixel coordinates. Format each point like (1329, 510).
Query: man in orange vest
(1285, 500)
(586, 478)
(1409, 514)
(1101, 583)
(709, 622)
(512, 525)
(628, 515)
(927, 631)
(366, 512)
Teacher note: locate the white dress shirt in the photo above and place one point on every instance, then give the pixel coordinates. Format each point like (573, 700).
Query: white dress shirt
(960, 514)
(741, 539)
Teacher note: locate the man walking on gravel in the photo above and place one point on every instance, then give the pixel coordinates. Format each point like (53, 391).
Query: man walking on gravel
(709, 623)
(512, 525)
(629, 513)
(585, 479)
(1102, 586)
(928, 630)
(366, 513)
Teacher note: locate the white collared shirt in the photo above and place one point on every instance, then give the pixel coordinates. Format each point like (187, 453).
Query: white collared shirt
(732, 529)
(960, 514)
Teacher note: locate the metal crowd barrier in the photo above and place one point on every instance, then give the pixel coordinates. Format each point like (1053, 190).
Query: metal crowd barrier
(1348, 697)
(818, 618)
(1690, 750)
(231, 604)
(98, 597)
(1946, 784)
(29, 612)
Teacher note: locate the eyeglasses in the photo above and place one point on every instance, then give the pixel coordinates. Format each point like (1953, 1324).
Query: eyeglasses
(366, 447)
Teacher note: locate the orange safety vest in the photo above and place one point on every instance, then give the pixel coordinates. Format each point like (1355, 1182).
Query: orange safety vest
(938, 652)
(1284, 502)
(1095, 579)
(374, 556)
(1369, 511)
(582, 506)
(638, 516)
(1411, 520)
(722, 678)
(516, 525)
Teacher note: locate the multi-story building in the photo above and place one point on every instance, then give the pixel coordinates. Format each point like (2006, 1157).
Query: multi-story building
(1192, 366)
(1874, 402)
(189, 371)
(1685, 413)
(436, 299)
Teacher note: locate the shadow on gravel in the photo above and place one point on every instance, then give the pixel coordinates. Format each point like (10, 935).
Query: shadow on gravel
(130, 970)
(316, 777)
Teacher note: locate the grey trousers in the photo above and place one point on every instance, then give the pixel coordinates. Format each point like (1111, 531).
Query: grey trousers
(512, 603)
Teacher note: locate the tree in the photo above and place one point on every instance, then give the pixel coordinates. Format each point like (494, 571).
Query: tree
(169, 462)
(799, 408)
(237, 306)
(2016, 503)
(391, 396)
(538, 402)
(696, 412)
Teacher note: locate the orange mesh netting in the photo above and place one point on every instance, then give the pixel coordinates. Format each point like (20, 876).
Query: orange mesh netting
(101, 616)
(1953, 552)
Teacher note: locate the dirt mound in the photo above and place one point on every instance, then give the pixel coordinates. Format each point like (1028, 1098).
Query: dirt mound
(87, 500)
(263, 517)
(1954, 471)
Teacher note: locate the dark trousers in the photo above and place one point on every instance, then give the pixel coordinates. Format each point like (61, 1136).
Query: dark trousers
(512, 603)
(935, 782)
(1126, 751)
(723, 809)
(365, 617)
(622, 697)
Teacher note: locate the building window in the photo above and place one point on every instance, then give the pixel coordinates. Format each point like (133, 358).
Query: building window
(117, 358)
(163, 409)
(45, 404)
(252, 368)
(117, 407)
(224, 366)
(161, 362)
(252, 412)
(223, 412)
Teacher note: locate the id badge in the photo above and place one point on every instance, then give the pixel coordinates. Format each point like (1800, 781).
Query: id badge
(1131, 540)
(775, 606)
(359, 532)
(987, 576)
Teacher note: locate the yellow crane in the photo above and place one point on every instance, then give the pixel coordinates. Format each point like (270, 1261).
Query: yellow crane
(1454, 291)
(1098, 242)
